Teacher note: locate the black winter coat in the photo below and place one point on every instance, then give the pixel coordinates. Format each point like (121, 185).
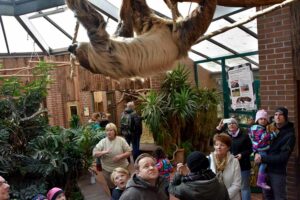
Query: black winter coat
(280, 150)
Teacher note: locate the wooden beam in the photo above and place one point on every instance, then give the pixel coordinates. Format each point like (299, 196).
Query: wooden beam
(18, 75)
(237, 3)
(244, 21)
(15, 69)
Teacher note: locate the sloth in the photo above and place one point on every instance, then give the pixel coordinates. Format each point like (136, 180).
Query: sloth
(158, 42)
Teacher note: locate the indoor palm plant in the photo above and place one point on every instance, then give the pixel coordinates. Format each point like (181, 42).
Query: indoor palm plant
(175, 114)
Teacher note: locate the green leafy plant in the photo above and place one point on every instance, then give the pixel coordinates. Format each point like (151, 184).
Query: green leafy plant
(177, 113)
(33, 155)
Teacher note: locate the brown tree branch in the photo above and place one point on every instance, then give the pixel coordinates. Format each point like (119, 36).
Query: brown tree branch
(250, 18)
(237, 3)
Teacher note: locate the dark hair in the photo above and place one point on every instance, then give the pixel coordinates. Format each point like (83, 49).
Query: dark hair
(140, 157)
(224, 138)
(159, 153)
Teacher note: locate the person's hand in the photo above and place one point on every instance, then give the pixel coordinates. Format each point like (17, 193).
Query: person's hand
(106, 151)
(257, 158)
(238, 156)
(220, 125)
(182, 169)
(98, 154)
(117, 157)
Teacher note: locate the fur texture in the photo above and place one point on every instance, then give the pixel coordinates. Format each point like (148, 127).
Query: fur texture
(155, 48)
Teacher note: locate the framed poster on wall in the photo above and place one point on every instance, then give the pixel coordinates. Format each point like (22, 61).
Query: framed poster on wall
(240, 83)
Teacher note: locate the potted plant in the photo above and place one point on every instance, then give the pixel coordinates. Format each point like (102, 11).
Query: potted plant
(173, 113)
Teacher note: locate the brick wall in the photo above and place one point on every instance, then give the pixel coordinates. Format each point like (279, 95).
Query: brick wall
(277, 75)
(55, 101)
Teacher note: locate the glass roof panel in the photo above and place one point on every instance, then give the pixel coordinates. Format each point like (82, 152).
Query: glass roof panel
(211, 66)
(237, 40)
(18, 39)
(68, 25)
(243, 15)
(194, 56)
(238, 61)
(52, 36)
(210, 49)
(2, 42)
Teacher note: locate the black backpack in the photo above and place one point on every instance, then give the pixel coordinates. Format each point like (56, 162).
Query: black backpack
(126, 124)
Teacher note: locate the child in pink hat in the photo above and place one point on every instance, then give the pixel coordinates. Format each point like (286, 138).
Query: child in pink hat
(56, 194)
(261, 137)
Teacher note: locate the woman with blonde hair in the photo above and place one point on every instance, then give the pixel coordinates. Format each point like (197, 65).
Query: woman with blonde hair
(113, 151)
(226, 166)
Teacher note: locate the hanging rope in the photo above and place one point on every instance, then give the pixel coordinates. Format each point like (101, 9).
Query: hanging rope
(72, 56)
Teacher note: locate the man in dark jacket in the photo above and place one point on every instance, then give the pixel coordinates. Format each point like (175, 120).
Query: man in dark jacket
(278, 156)
(199, 183)
(131, 128)
(146, 184)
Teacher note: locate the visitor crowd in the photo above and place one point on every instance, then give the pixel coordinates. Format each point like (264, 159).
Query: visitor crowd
(222, 175)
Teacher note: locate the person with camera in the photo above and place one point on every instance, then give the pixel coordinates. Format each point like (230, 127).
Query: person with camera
(195, 180)
(241, 148)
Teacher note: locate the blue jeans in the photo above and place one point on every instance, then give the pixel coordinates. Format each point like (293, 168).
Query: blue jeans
(278, 187)
(262, 166)
(136, 146)
(245, 187)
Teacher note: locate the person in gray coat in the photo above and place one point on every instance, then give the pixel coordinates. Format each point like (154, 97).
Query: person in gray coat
(195, 181)
(145, 184)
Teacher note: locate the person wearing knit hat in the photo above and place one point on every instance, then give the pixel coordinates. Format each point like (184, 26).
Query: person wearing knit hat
(197, 161)
(282, 111)
(241, 148)
(261, 137)
(196, 181)
(56, 194)
(261, 114)
(278, 155)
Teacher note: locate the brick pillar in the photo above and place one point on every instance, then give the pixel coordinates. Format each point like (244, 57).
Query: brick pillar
(55, 105)
(277, 75)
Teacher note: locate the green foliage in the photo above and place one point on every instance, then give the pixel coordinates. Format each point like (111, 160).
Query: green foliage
(153, 110)
(176, 112)
(27, 190)
(75, 121)
(33, 155)
(20, 122)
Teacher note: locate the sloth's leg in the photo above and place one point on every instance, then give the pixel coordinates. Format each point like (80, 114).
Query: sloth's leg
(92, 21)
(125, 26)
(196, 24)
(142, 16)
(173, 6)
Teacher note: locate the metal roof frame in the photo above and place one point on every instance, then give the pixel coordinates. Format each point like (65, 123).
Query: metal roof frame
(21, 7)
